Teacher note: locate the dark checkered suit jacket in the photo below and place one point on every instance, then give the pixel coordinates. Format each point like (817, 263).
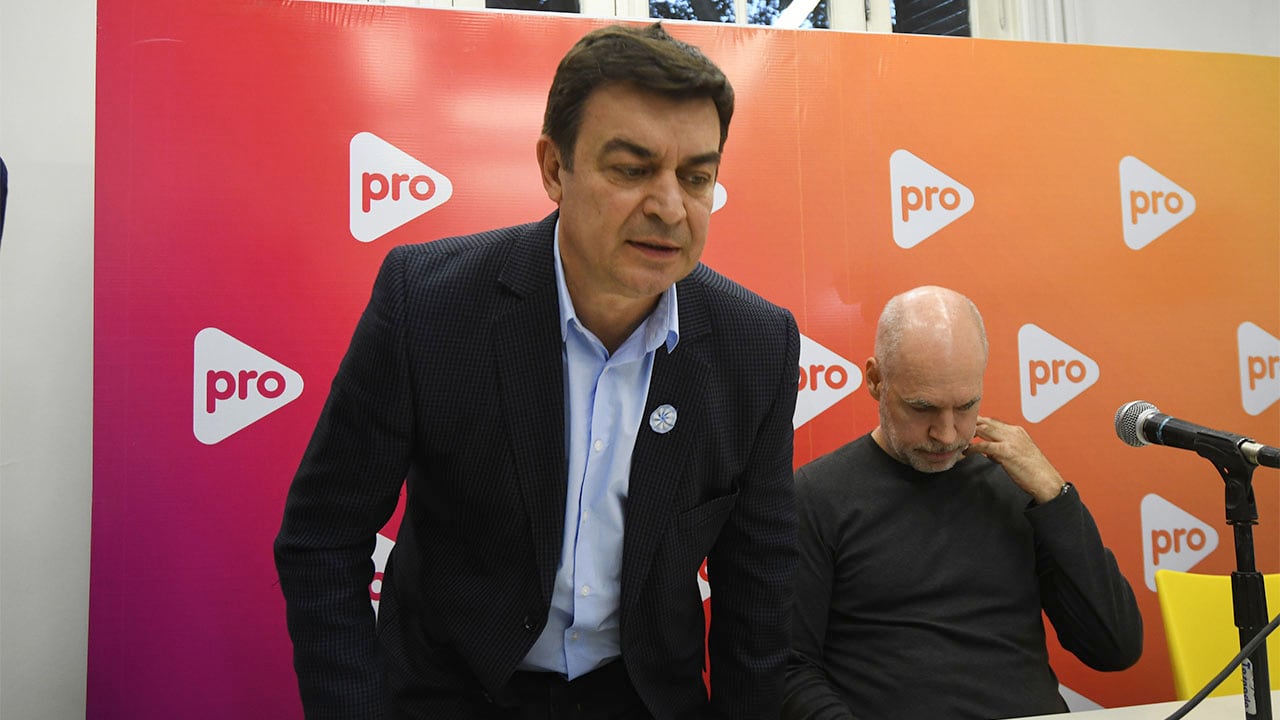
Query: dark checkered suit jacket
(453, 380)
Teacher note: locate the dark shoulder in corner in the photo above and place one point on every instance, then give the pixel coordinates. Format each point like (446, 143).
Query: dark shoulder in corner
(459, 244)
(717, 283)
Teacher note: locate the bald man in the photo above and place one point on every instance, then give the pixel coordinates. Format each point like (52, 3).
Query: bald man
(930, 546)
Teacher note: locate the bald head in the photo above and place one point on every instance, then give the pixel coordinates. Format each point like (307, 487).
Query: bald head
(928, 322)
(931, 353)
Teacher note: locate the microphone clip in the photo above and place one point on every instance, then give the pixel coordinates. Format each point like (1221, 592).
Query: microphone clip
(1237, 475)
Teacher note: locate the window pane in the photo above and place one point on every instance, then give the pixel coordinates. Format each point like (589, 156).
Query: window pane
(706, 10)
(931, 17)
(569, 6)
(766, 12)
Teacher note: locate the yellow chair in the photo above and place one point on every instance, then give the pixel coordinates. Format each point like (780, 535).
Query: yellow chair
(1200, 629)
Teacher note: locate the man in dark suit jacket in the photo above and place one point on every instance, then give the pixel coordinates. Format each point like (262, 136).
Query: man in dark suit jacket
(541, 387)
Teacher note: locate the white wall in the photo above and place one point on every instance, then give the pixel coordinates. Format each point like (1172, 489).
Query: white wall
(46, 354)
(46, 305)
(1251, 27)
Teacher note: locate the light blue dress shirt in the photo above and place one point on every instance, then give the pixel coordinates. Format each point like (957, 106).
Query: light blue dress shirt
(604, 399)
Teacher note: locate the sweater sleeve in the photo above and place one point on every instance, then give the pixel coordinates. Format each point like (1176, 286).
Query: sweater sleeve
(1084, 594)
(807, 690)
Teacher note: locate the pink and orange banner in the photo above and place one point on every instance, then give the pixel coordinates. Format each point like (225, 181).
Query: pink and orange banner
(1115, 213)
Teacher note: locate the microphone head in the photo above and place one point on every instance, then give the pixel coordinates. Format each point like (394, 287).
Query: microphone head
(1128, 418)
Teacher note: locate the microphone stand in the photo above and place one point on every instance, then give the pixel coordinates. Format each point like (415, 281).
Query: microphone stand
(1248, 593)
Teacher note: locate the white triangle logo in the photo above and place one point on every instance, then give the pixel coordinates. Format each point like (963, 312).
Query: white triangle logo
(825, 379)
(1051, 372)
(925, 199)
(1152, 203)
(235, 386)
(1075, 701)
(1259, 368)
(1172, 538)
(389, 187)
(381, 551)
(719, 196)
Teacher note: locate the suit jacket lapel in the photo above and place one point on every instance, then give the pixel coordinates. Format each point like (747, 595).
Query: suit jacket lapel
(527, 345)
(658, 458)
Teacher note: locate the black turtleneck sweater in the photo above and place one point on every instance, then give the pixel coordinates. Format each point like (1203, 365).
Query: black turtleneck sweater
(919, 595)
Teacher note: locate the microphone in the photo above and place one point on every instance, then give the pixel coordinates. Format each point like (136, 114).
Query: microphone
(1140, 423)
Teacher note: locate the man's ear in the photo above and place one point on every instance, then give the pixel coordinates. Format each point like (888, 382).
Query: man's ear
(874, 380)
(550, 165)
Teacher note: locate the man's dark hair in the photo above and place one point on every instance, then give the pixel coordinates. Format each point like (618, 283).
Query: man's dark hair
(645, 58)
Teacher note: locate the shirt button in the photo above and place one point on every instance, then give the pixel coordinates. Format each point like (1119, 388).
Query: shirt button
(528, 623)
(586, 590)
(598, 445)
(573, 636)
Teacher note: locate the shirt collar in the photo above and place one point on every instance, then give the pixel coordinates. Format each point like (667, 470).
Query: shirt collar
(662, 325)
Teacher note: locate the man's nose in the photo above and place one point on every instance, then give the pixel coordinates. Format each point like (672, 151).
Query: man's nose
(943, 429)
(665, 199)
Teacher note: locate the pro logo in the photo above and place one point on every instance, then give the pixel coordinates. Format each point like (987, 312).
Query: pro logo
(1259, 368)
(381, 551)
(389, 187)
(1172, 538)
(1051, 372)
(925, 199)
(1152, 203)
(1075, 701)
(825, 379)
(235, 386)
